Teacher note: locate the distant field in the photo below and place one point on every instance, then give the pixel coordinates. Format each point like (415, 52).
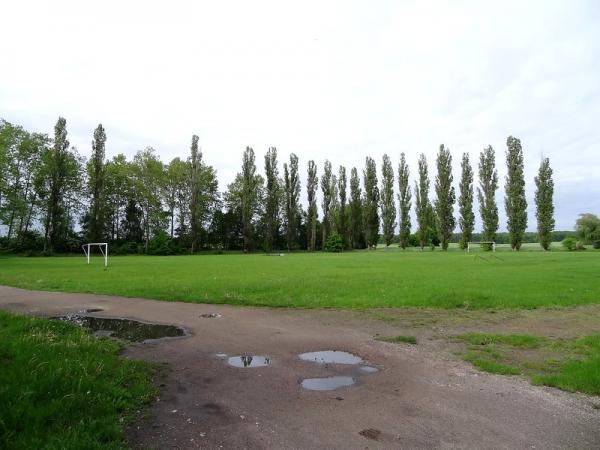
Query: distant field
(347, 280)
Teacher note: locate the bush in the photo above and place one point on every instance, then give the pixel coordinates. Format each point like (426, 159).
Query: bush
(569, 243)
(334, 244)
(597, 244)
(579, 246)
(159, 244)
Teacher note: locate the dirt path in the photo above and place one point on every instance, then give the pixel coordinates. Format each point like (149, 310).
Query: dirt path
(421, 397)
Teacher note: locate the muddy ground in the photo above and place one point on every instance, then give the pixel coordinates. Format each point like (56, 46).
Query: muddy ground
(423, 396)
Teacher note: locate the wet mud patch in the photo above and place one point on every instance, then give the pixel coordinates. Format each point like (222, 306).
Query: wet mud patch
(371, 433)
(125, 329)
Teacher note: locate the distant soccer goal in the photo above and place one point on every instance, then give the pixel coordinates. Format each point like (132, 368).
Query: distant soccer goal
(481, 244)
(103, 246)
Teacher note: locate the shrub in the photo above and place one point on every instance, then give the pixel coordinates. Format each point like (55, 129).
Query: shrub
(159, 244)
(569, 243)
(597, 244)
(334, 244)
(579, 246)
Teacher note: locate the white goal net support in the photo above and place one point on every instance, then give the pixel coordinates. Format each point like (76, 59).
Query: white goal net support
(481, 244)
(103, 246)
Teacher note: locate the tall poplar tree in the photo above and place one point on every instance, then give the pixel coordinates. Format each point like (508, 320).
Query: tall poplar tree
(388, 202)
(292, 198)
(326, 189)
(250, 184)
(486, 193)
(404, 196)
(465, 202)
(422, 205)
(544, 203)
(272, 199)
(371, 203)
(343, 223)
(96, 172)
(57, 185)
(445, 197)
(515, 201)
(311, 191)
(356, 210)
(196, 164)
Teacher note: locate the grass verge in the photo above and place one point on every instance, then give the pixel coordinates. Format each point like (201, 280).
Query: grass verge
(63, 388)
(568, 364)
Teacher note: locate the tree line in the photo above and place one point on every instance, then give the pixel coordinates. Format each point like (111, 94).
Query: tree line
(53, 200)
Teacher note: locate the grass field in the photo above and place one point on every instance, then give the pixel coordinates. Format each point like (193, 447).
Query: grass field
(347, 280)
(63, 388)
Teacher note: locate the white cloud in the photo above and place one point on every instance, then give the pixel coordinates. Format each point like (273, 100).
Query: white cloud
(338, 80)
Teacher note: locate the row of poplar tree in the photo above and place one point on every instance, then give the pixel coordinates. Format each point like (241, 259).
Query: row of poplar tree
(52, 199)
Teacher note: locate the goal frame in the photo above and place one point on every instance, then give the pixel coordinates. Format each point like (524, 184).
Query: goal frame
(492, 243)
(87, 247)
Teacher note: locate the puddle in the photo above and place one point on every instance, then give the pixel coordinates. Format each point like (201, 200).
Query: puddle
(211, 316)
(368, 369)
(249, 361)
(126, 329)
(327, 384)
(221, 355)
(331, 357)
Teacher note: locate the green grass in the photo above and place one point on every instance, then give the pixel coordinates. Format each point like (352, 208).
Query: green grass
(568, 364)
(490, 366)
(514, 340)
(348, 280)
(398, 339)
(61, 388)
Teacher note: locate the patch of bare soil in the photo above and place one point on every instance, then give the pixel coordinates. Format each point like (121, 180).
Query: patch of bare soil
(422, 396)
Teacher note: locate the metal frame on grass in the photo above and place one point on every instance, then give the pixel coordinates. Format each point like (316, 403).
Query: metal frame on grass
(86, 249)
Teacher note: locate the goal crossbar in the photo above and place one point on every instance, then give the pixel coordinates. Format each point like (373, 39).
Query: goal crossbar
(492, 243)
(103, 246)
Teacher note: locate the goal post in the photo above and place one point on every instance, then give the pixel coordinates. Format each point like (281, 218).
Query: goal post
(480, 243)
(103, 246)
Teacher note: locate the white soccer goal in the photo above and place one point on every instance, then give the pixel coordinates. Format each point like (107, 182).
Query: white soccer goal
(103, 246)
(492, 243)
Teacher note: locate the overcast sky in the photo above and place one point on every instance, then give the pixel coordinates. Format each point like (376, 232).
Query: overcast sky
(325, 80)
